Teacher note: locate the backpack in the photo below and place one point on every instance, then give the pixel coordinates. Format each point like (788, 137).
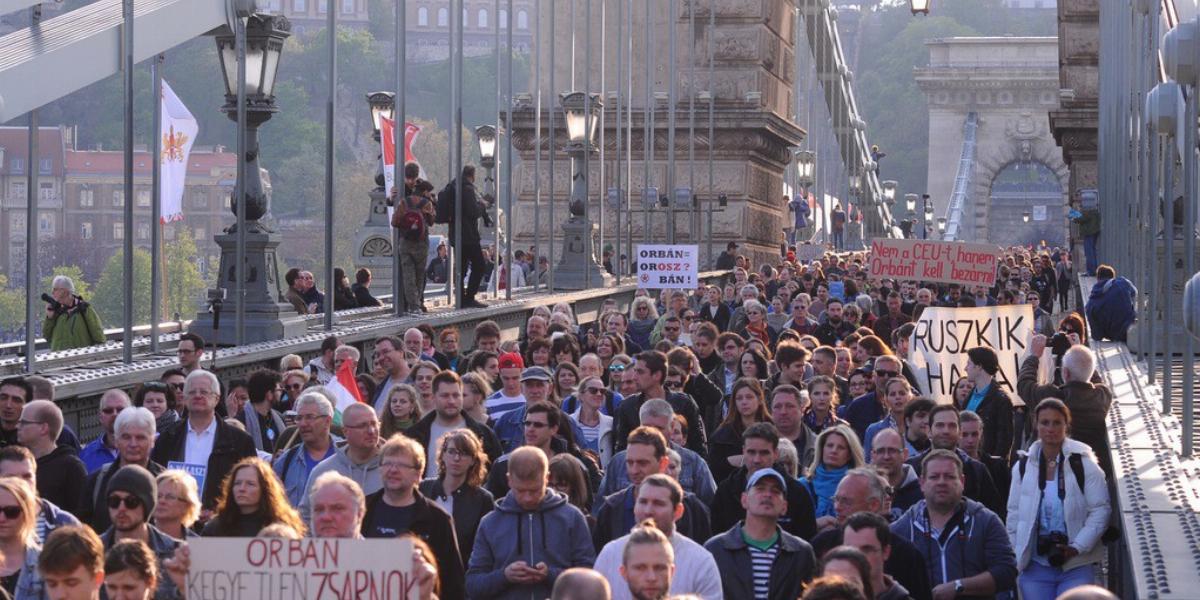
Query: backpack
(1075, 460)
(411, 222)
(445, 205)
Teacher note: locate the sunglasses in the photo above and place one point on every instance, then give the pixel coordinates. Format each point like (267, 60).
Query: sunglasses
(130, 502)
(594, 390)
(616, 368)
(536, 424)
(886, 374)
(10, 512)
(110, 410)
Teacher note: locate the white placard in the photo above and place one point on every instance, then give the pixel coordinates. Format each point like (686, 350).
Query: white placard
(939, 343)
(661, 266)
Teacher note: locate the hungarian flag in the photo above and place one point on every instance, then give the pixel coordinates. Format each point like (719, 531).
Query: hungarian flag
(177, 130)
(344, 389)
(387, 135)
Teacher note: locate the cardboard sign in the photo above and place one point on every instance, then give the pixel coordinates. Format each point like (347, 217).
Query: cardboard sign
(198, 472)
(667, 266)
(934, 260)
(312, 568)
(809, 252)
(939, 343)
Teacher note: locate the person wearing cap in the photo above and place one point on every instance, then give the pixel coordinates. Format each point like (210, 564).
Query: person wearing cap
(509, 396)
(990, 401)
(132, 493)
(727, 258)
(535, 387)
(543, 425)
(756, 557)
(760, 450)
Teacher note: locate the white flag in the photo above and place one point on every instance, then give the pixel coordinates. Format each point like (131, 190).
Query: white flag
(178, 129)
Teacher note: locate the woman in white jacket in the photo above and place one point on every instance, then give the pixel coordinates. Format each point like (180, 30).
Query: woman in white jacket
(1058, 508)
(597, 427)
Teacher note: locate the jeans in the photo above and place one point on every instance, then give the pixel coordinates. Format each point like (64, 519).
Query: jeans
(1089, 252)
(1041, 581)
(839, 240)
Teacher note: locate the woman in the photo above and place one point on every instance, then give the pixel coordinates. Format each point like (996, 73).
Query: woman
(178, 504)
(746, 407)
(873, 347)
(752, 364)
(403, 411)
(597, 427)
(130, 571)
(897, 394)
(1072, 326)
(608, 346)
(566, 379)
(679, 430)
(568, 478)
(756, 324)
(838, 451)
(343, 296)
(821, 413)
(715, 310)
(294, 382)
(251, 498)
(844, 362)
(18, 546)
(159, 399)
(852, 314)
(859, 384)
(1058, 508)
(962, 392)
(462, 468)
(565, 348)
(366, 385)
(643, 316)
(475, 393)
(537, 354)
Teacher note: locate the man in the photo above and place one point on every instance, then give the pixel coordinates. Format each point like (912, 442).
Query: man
(1088, 400)
(645, 455)
(295, 291)
(389, 357)
(313, 297)
(894, 318)
(965, 542)
(787, 410)
(756, 557)
(1110, 306)
(362, 288)
(103, 449)
(17, 461)
(990, 401)
(414, 215)
(868, 408)
(725, 261)
(414, 341)
(889, 455)
(944, 433)
(760, 450)
(314, 418)
(135, 429)
(824, 362)
(358, 459)
(70, 321)
(672, 330)
(62, 472)
(618, 324)
(535, 388)
(131, 495)
(660, 499)
(542, 424)
(509, 396)
(650, 369)
(801, 321)
(579, 583)
(71, 565)
(203, 445)
(398, 508)
(466, 234)
(262, 421)
(869, 533)
(321, 367)
(647, 564)
(448, 415)
(731, 347)
(694, 475)
(190, 351)
(535, 329)
(531, 537)
(834, 328)
(970, 441)
(338, 506)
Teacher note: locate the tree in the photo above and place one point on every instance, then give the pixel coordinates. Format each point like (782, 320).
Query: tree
(109, 294)
(12, 310)
(184, 287)
(82, 287)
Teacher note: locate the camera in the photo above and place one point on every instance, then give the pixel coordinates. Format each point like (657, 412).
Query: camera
(1059, 344)
(54, 304)
(1053, 546)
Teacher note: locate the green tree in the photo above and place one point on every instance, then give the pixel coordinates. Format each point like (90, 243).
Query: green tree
(184, 286)
(109, 294)
(12, 306)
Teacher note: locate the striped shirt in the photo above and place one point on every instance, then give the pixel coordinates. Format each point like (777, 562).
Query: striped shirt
(761, 560)
(497, 404)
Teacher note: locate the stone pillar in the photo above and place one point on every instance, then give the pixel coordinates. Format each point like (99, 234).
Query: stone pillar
(373, 244)
(754, 67)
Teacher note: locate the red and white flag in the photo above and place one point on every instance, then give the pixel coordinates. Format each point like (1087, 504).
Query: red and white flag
(344, 388)
(177, 129)
(387, 135)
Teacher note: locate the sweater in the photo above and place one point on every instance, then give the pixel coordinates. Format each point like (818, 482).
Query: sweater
(367, 475)
(695, 569)
(61, 476)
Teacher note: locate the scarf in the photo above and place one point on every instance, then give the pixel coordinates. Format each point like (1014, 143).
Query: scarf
(824, 485)
(810, 420)
(760, 332)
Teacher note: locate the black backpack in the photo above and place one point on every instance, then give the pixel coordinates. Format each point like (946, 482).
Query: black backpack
(444, 212)
(1075, 460)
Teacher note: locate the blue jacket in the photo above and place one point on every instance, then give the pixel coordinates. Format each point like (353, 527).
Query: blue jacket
(864, 411)
(555, 533)
(292, 470)
(50, 518)
(1110, 309)
(30, 585)
(96, 455)
(510, 428)
(973, 541)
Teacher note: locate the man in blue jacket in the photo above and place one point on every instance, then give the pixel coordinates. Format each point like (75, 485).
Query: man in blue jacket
(1110, 308)
(530, 539)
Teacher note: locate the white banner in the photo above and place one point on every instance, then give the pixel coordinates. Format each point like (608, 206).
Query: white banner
(939, 344)
(177, 129)
(661, 266)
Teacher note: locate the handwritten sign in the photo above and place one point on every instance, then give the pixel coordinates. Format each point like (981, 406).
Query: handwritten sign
(809, 252)
(667, 266)
(933, 260)
(311, 568)
(939, 343)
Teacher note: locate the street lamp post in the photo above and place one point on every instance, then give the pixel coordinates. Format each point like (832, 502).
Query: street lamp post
(941, 225)
(910, 204)
(927, 215)
(919, 6)
(266, 318)
(1025, 216)
(579, 268)
(485, 138)
(374, 246)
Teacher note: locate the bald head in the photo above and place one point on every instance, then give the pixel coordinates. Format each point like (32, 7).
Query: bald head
(1089, 592)
(581, 584)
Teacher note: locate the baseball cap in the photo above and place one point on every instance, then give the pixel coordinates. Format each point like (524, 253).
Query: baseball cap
(535, 373)
(511, 360)
(731, 245)
(768, 472)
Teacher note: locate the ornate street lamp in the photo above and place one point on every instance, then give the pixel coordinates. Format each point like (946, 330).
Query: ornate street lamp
(806, 166)
(941, 225)
(855, 184)
(579, 263)
(485, 138)
(919, 6)
(889, 192)
(1025, 216)
(382, 104)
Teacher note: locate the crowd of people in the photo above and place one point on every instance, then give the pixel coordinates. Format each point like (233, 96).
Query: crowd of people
(764, 438)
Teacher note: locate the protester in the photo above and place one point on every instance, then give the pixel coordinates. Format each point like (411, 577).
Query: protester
(132, 493)
(358, 460)
(263, 423)
(251, 499)
(1110, 305)
(314, 418)
(838, 452)
(130, 571)
(990, 401)
(160, 399)
(338, 506)
(462, 468)
(135, 430)
(747, 407)
(63, 473)
(178, 504)
(103, 449)
(694, 474)
(760, 449)
(944, 434)
(71, 565)
(650, 371)
(447, 416)
(850, 564)
(469, 251)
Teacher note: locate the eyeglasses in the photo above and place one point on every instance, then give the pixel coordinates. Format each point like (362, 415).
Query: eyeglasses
(387, 466)
(176, 386)
(594, 390)
(886, 374)
(294, 386)
(10, 512)
(674, 385)
(23, 422)
(171, 497)
(884, 450)
(309, 418)
(130, 502)
(112, 410)
(535, 424)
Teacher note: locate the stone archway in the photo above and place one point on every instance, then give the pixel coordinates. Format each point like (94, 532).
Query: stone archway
(1026, 188)
(1002, 141)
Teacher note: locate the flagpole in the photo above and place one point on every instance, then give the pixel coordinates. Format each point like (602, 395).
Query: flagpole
(330, 111)
(399, 155)
(127, 63)
(156, 270)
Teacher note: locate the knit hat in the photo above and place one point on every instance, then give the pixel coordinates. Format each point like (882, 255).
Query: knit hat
(511, 360)
(986, 359)
(138, 482)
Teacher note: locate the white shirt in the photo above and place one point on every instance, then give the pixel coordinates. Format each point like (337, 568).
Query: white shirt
(695, 569)
(199, 444)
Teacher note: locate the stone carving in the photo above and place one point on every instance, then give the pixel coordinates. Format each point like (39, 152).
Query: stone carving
(377, 246)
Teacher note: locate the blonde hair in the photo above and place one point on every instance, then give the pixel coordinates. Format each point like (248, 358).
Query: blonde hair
(402, 444)
(191, 494)
(26, 498)
(856, 450)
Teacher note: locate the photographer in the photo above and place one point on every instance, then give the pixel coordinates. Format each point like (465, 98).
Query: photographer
(1058, 508)
(470, 250)
(70, 322)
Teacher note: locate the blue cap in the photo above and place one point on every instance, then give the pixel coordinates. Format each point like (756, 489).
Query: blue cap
(768, 472)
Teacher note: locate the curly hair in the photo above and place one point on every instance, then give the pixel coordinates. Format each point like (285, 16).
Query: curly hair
(466, 442)
(389, 424)
(273, 505)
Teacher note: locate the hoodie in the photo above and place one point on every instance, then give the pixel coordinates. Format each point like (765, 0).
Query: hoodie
(973, 541)
(907, 493)
(61, 478)
(1110, 309)
(367, 475)
(554, 533)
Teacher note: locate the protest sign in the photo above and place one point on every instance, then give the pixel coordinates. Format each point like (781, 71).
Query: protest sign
(311, 568)
(837, 289)
(198, 472)
(809, 252)
(934, 260)
(939, 343)
(667, 266)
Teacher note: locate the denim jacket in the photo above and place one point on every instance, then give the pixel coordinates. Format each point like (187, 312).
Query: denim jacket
(30, 585)
(293, 471)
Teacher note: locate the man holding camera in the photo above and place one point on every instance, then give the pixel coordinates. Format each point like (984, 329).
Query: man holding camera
(70, 322)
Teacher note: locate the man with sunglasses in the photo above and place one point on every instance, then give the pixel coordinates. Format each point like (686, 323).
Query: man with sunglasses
(131, 495)
(868, 408)
(541, 422)
(535, 388)
(103, 449)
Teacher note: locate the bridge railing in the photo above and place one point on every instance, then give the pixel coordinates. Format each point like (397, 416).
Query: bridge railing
(962, 179)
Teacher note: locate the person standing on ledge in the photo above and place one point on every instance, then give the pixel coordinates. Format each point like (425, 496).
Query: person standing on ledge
(70, 321)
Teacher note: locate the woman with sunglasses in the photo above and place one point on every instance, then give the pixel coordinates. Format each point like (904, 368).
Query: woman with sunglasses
(251, 498)
(18, 542)
(462, 467)
(159, 399)
(597, 427)
(294, 382)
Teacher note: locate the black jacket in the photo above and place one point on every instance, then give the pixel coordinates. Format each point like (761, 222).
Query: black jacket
(93, 503)
(794, 565)
(611, 524)
(470, 213)
(725, 442)
(491, 444)
(344, 299)
(229, 446)
(470, 505)
(60, 478)
(626, 420)
(436, 527)
(720, 318)
(727, 510)
(906, 564)
(708, 396)
(362, 295)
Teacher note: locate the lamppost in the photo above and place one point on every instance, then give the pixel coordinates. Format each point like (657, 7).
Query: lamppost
(485, 138)
(806, 169)
(910, 203)
(373, 241)
(1025, 216)
(941, 225)
(925, 223)
(579, 264)
(919, 6)
(266, 318)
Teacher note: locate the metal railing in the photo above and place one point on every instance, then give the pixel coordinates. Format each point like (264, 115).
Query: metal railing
(962, 179)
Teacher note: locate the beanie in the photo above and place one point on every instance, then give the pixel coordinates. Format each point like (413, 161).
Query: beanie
(138, 482)
(986, 359)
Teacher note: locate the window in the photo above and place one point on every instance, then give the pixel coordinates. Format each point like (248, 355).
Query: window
(87, 197)
(85, 230)
(118, 197)
(522, 20)
(503, 19)
(45, 166)
(143, 198)
(228, 200)
(143, 231)
(483, 17)
(16, 223)
(322, 6)
(46, 190)
(422, 17)
(347, 7)
(17, 190)
(300, 6)
(18, 166)
(45, 224)
(199, 199)
(443, 21)
(118, 230)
